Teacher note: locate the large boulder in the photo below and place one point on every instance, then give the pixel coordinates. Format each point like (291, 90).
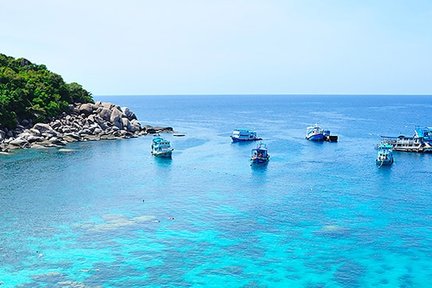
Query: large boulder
(35, 132)
(129, 114)
(33, 138)
(105, 113)
(42, 128)
(86, 108)
(116, 118)
(126, 124)
(135, 125)
(19, 142)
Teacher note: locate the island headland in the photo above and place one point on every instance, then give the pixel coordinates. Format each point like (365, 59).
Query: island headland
(38, 109)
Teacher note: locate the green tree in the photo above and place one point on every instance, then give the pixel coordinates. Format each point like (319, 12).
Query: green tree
(31, 91)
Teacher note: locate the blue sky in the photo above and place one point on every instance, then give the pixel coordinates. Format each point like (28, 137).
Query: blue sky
(227, 47)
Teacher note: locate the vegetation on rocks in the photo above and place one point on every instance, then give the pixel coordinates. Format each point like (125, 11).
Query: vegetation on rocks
(31, 93)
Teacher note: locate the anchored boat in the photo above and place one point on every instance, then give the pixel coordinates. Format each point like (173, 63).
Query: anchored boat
(240, 135)
(260, 154)
(161, 148)
(421, 142)
(315, 133)
(385, 155)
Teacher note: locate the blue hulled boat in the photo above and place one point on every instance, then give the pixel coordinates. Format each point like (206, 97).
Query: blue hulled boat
(260, 155)
(241, 135)
(385, 155)
(161, 148)
(315, 133)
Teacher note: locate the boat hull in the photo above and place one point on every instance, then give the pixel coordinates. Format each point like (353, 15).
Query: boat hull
(384, 163)
(259, 161)
(315, 137)
(236, 139)
(167, 154)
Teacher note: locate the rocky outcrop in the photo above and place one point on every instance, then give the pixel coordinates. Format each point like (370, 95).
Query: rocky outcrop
(84, 122)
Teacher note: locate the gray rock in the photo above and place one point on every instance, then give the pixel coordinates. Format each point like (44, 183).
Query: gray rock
(56, 124)
(33, 138)
(116, 118)
(49, 134)
(86, 109)
(108, 105)
(84, 132)
(43, 127)
(35, 132)
(25, 135)
(136, 125)
(129, 114)
(56, 141)
(66, 129)
(105, 114)
(126, 124)
(72, 135)
(91, 119)
(20, 142)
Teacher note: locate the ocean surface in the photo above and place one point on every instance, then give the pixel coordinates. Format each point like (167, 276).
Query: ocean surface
(108, 214)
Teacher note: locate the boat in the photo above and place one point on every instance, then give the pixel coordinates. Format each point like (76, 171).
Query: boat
(241, 135)
(421, 142)
(315, 133)
(260, 154)
(385, 155)
(161, 148)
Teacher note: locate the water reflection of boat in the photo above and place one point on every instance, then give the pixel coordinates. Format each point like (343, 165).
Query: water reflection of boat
(161, 148)
(385, 155)
(260, 154)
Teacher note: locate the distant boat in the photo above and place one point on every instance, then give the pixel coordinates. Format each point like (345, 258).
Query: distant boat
(385, 155)
(260, 154)
(421, 142)
(240, 135)
(315, 133)
(161, 148)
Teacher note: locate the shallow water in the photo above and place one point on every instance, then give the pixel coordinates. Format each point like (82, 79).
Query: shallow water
(318, 215)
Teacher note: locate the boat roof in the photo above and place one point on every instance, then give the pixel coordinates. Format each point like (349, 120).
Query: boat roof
(261, 147)
(243, 130)
(385, 146)
(159, 140)
(421, 131)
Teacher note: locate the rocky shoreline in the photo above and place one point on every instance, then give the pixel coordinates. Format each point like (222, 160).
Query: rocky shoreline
(83, 122)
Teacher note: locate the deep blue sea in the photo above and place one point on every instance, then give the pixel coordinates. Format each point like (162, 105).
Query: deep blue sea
(108, 214)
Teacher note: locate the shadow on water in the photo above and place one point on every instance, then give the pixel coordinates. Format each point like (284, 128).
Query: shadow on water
(384, 171)
(318, 143)
(245, 143)
(162, 162)
(259, 168)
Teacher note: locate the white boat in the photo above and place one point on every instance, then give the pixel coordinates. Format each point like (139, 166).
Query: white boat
(240, 135)
(385, 155)
(161, 148)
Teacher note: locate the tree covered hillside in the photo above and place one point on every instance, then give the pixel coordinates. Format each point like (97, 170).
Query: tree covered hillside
(32, 92)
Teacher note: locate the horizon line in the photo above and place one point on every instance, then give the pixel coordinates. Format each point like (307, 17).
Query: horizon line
(261, 94)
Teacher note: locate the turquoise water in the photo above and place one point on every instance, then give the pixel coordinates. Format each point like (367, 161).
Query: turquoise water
(318, 215)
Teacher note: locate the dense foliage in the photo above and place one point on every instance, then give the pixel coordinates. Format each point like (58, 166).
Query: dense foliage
(30, 91)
